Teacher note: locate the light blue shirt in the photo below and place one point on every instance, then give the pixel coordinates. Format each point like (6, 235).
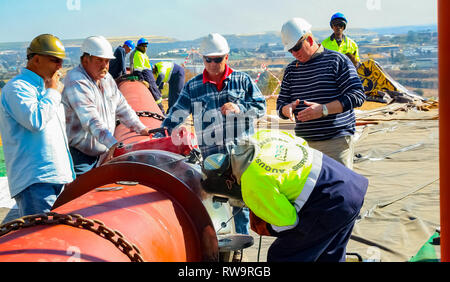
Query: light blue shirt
(32, 126)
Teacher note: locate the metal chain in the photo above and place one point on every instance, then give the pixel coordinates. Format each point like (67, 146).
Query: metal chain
(78, 221)
(150, 114)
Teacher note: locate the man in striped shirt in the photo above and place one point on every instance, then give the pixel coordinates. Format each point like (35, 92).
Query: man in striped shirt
(319, 90)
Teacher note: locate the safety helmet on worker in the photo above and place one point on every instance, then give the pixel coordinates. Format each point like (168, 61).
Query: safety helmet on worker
(97, 46)
(292, 31)
(142, 41)
(47, 44)
(130, 44)
(338, 17)
(214, 45)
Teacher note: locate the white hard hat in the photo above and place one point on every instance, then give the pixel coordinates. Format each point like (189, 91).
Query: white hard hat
(214, 45)
(292, 31)
(98, 46)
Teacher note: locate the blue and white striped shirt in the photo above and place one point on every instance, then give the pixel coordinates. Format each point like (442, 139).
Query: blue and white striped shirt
(215, 131)
(326, 77)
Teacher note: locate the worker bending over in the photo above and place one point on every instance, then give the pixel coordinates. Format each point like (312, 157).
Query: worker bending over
(301, 196)
(173, 74)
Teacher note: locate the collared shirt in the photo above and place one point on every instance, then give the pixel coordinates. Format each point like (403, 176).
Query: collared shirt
(207, 79)
(203, 100)
(32, 126)
(91, 113)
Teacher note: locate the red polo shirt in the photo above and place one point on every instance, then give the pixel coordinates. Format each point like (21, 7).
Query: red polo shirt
(219, 85)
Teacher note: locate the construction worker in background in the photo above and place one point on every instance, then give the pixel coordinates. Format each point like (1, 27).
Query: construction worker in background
(340, 42)
(93, 103)
(118, 66)
(140, 66)
(224, 104)
(32, 126)
(301, 196)
(169, 72)
(319, 91)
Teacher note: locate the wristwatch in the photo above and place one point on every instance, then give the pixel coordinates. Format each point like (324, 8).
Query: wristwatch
(324, 110)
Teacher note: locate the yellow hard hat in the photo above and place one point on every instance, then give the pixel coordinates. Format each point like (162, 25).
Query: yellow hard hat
(47, 44)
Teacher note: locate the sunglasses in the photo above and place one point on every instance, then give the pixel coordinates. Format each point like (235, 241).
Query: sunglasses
(297, 46)
(53, 59)
(215, 60)
(339, 24)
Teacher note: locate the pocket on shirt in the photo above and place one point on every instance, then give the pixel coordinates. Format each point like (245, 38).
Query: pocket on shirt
(235, 95)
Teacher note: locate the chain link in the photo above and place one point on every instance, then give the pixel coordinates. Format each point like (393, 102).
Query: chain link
(78, 221)
(150, 114)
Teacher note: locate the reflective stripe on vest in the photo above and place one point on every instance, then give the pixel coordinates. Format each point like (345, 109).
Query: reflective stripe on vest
(307, 189)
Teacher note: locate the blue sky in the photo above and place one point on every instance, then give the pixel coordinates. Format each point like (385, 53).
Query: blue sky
(189, 19)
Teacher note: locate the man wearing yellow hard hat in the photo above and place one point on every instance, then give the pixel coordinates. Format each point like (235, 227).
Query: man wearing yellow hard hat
(32, 125)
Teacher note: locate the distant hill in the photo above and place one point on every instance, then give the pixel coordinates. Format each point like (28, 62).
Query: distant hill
(404, 29)
(236, 41)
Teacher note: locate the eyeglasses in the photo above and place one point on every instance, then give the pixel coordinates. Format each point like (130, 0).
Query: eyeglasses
(215, 60)
(297, 46)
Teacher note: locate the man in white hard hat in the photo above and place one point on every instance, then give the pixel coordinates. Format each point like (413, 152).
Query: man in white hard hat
(224, 104)
(92, 102)
(319, 91)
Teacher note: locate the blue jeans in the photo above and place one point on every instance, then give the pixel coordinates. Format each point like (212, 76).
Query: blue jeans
(241, 220)
(37, 198)
(82, 163)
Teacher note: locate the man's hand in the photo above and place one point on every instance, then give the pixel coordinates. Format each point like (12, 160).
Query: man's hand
(54, 82)
(145, 131)
(314, 111)
(229, 107)
(258, 225)
(107, 156)
(288, 110)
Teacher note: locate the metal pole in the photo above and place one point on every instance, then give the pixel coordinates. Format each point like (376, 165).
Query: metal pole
(444, 120)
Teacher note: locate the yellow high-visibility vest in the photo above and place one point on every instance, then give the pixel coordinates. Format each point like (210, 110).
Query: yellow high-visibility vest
(139, 61)
(280, 179)
(164, 68)
(347, 46)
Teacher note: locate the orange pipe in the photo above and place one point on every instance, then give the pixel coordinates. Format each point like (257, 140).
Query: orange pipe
(156, 225)
(444, 117)
(140, 99)
(159, 214)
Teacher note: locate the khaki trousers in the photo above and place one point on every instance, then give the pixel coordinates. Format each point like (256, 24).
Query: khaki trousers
(341, 149)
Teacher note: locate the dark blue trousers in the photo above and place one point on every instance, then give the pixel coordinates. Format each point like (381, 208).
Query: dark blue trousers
(326, 220)
(176, 83)
(147, 75)
(82, 163)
